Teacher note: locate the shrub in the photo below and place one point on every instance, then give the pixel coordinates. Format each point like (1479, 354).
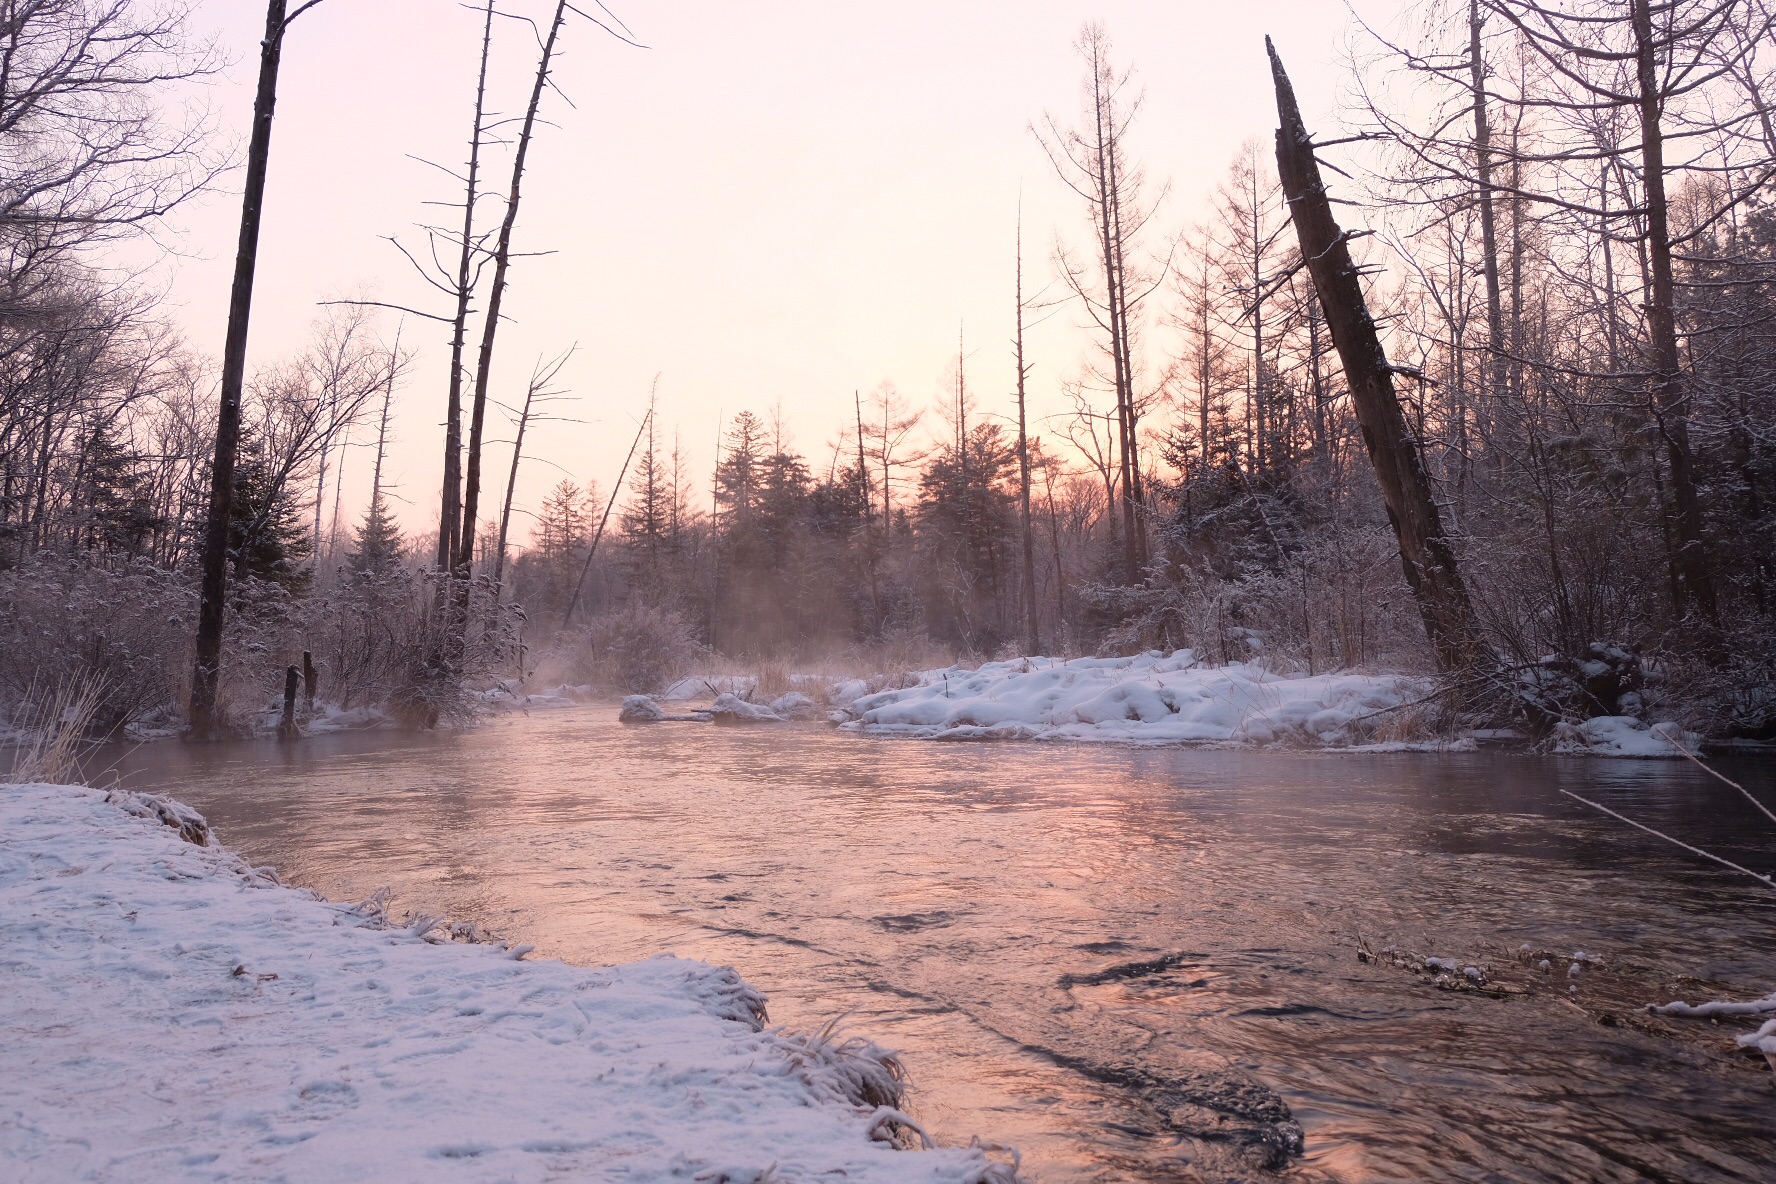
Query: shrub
(639, 648)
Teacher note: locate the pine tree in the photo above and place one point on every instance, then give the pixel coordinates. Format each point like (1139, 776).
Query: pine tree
(266, 536)
(561, 527)
(376, 544)
(646, 517)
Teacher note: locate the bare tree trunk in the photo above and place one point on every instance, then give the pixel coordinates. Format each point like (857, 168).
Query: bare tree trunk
(1032, 618)
(499, 559)
(1054, 532)
(871, 552)
(1133, 509)
(450, 508)
(287, 729)
(382, 427)
(206, 670)
(1425, 553)
(502, 259)
(1105, 148)
(1670, 397)
(1495, 306)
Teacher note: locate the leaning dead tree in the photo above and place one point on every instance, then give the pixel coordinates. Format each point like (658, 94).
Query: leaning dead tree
(1425, 551)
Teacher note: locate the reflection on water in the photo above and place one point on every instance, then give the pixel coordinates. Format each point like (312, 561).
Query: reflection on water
(1129, 963)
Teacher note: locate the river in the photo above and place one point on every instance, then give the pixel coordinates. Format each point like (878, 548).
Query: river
(1132, 964)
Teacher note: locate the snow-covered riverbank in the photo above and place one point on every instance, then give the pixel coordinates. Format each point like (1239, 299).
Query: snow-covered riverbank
(173, 1014)
(1156, 698)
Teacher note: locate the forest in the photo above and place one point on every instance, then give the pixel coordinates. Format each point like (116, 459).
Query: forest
(1563, 215)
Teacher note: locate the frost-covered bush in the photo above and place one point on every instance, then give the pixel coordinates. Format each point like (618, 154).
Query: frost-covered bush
(382, 638)
(639, 648)
(128, 629)
(377, 639)
(1339, 602)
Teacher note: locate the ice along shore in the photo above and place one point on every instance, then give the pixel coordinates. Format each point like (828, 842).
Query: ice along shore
(175, 1014)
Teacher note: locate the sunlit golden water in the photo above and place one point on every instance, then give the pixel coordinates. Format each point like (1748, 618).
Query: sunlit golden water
(963, 902)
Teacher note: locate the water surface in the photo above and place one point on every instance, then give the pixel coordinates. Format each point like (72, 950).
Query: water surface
(1130, 963)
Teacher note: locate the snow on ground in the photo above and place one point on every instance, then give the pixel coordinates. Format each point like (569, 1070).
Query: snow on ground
(1149, 698)
(172, 1014)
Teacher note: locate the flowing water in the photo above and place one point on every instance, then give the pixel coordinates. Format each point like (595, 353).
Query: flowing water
(1130, 963)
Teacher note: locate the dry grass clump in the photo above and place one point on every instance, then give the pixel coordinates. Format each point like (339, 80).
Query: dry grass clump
(56, 725)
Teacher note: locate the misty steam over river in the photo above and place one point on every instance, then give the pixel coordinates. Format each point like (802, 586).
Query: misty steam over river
(1126, 962)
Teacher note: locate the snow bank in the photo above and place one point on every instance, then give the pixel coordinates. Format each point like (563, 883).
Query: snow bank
(1149, 698)
(173, 1014)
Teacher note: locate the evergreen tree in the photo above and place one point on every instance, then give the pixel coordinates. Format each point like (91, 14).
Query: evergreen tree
(376, 544)
(646, 519)
(266, 536)
(117, 512)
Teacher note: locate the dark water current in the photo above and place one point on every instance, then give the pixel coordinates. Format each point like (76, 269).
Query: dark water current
(1132, 964)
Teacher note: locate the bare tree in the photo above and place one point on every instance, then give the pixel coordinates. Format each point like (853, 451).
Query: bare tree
(1094, 162)
(206, 670)
(86, 157)
(890, 426)
(540, 390)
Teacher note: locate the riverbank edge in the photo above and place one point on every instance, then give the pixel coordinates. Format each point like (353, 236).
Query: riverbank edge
(176, 1010)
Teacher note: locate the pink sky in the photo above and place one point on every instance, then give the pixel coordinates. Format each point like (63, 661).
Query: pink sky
(773, 203)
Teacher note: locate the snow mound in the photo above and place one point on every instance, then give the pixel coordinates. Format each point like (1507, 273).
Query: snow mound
(641, 709)
(731, 709)
(173, 1014)
(1622, 735)
(1149, 698)
(795, 705)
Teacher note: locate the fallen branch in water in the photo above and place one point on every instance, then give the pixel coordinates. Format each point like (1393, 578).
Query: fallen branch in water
(1765, 880)
(1697, 761)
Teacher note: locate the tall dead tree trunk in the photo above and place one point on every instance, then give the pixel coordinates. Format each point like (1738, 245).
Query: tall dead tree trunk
(1671, 397)
(450, 504)
(1032, 617)
(1425, 552)
(502, 259)
(206, 673)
